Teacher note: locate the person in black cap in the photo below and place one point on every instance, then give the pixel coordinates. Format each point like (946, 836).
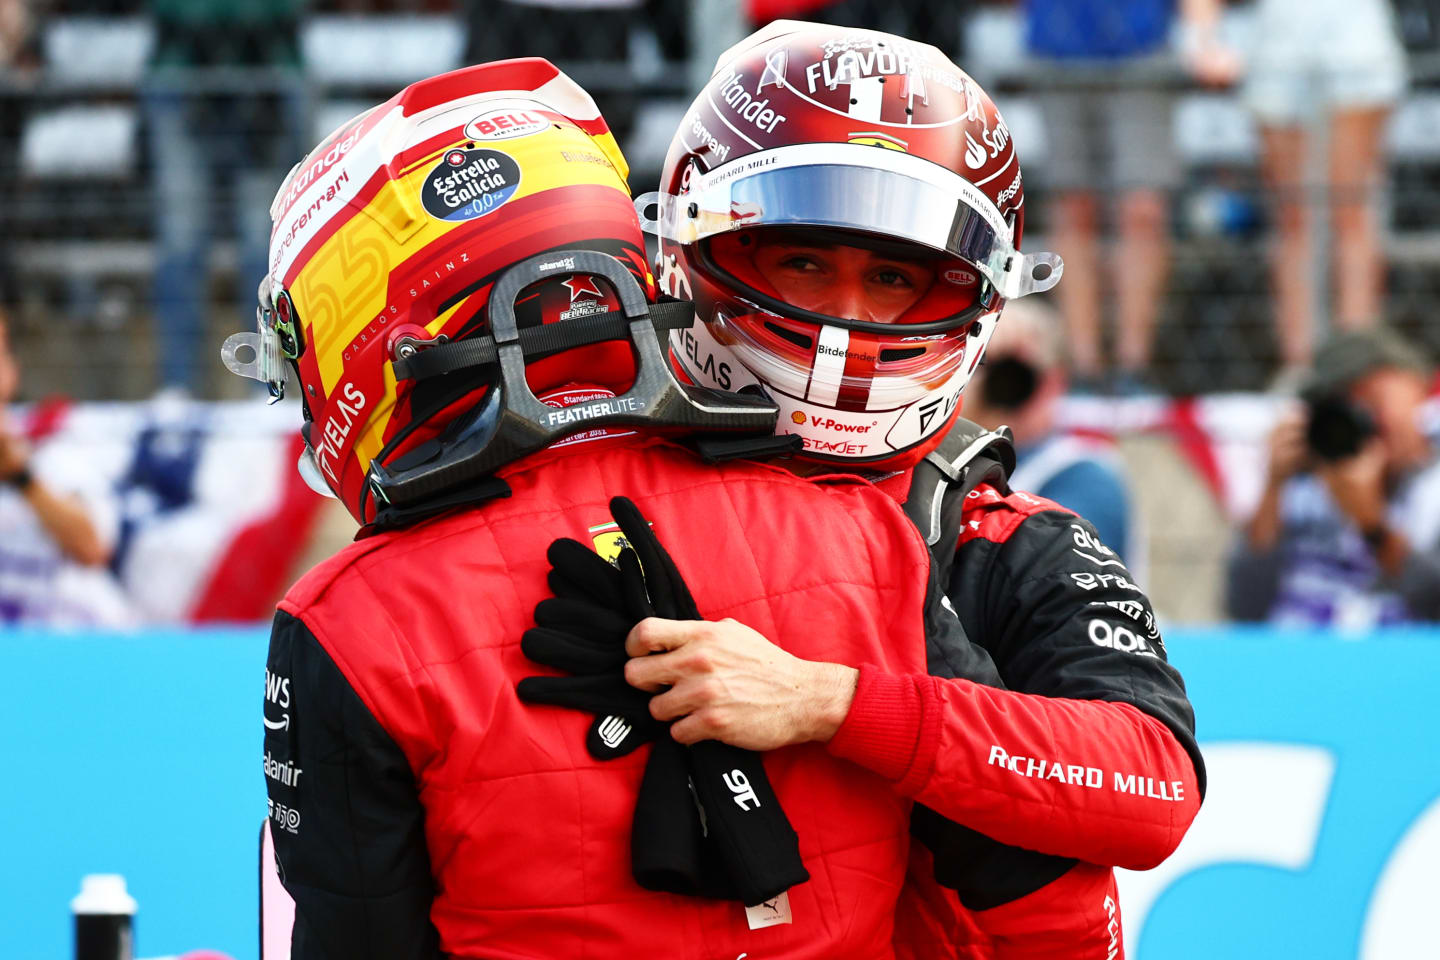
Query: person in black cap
(1348, 527)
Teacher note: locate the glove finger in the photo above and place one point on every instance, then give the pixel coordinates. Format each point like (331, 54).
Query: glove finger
(753, 836)
(584, 568)
(600, 694)
(669, 594)
(585, 619)
(571, 653)
(635, 592)
(646, 548)
(566, 589)
(666, 838)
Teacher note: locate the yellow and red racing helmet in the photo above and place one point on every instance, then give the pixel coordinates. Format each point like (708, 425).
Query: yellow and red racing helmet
(389, 236)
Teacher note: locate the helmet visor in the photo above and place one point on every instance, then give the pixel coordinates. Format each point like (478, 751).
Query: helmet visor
(858, 188)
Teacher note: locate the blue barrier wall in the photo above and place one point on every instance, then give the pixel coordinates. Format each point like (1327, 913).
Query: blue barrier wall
(141, 755)
(138, 755)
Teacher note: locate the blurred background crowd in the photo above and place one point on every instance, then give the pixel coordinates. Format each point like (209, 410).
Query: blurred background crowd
(1231, 381)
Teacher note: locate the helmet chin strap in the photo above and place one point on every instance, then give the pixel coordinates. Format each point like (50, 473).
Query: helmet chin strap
(511, 423)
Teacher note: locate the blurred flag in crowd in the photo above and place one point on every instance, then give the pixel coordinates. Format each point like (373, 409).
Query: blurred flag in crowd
(202, 502)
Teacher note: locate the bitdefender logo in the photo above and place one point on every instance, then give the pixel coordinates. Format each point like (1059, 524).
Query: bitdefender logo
(829, 351)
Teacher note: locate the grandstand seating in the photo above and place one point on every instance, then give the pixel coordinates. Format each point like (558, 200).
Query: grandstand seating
(83, 208)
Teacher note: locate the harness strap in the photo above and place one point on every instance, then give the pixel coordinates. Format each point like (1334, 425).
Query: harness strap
(539, 342)
(968, 456)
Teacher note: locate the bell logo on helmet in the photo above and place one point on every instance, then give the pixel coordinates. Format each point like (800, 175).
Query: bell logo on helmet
(469, 183)
(505, 125)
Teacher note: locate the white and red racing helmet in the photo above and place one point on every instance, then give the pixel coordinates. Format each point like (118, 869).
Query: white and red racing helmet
(870, 140)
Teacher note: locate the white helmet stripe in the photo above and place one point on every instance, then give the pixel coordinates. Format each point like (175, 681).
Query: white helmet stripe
(866, 98)
(829, 366)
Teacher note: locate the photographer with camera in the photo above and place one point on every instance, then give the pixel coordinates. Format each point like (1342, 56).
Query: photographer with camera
(1347, 532)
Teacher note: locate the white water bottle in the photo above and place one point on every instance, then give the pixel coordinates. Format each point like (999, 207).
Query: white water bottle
(104, 919)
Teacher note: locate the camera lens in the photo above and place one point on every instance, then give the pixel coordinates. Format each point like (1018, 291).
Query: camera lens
(1337, 428)
(1009, 383)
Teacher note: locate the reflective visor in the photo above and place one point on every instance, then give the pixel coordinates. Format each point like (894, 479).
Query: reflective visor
(854, 187)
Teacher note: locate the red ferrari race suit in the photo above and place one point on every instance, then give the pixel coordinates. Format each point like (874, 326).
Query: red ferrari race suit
(1017, 838)
(420, 809)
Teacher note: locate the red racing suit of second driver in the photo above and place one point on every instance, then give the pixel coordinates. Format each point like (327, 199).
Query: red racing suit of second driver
(419, 810)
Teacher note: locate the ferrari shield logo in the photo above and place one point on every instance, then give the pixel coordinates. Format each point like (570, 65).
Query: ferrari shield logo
(609, 540)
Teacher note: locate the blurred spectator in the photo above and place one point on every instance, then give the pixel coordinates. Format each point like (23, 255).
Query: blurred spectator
(1348, 528)
(611, 46)
(938, 23)
(1020, 385)
(1117, 141)
(53, 545)
(220, 143)
(17, 53)
(1341, 59)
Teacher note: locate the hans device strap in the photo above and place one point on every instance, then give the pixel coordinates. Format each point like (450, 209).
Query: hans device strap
(511, 422)
(968, 456)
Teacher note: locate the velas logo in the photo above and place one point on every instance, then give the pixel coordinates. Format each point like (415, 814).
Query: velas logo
(505, 125)
(466, 184)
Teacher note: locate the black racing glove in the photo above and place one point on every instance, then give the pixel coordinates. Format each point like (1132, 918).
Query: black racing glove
(747, 829)
(580, 632)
